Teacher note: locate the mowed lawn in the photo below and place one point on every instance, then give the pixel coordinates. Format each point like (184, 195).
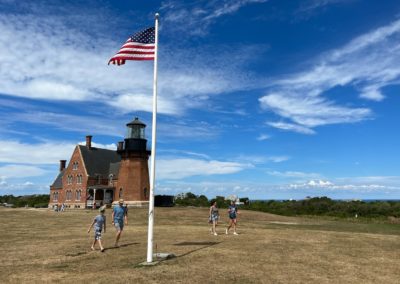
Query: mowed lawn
(39, 245)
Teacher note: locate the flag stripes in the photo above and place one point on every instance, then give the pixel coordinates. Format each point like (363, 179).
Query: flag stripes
(140, 46)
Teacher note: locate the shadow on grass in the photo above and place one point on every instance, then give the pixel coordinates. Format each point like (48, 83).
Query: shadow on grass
(121, 246)
(203, 245)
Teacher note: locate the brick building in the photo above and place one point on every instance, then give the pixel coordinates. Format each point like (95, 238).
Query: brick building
(101, 176)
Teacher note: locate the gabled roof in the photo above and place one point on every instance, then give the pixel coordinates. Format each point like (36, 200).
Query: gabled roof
(114, 169)
(57, 184)
(97, 160)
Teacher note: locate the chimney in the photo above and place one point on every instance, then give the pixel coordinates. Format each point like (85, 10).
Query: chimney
(89, 141)
(120, 145)
(62, 164)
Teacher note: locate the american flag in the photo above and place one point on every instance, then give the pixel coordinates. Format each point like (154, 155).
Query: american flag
(140, 46)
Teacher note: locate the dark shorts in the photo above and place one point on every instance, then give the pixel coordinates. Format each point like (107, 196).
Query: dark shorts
(232, 216)
(119, 225)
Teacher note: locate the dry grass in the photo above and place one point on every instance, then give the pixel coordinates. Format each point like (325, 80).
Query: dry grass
(45, 246)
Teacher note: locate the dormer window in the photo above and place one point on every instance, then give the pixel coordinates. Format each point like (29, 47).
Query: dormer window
(110, 179)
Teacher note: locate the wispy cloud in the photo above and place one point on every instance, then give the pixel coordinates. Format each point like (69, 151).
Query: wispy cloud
(263, 137)
(294, 174)
(195, 17)
(366, 64)
(15, 152)
(325, 186)
(291, 127)
(183, 168)
(312, 5)
(62, 62)
(261, 159)
(20, 171)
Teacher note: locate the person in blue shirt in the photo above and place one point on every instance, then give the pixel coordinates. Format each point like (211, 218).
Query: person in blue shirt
(232, 212)
(120, 218)
(99, 223)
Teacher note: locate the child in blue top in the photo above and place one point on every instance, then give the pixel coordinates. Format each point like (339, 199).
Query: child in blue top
(99, 222)
(232, 211)
(119, 219)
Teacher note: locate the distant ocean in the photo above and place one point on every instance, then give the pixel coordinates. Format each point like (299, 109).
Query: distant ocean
(363, 200)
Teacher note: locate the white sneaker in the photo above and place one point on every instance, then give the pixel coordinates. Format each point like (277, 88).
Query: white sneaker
(235, 233)
(226, 231)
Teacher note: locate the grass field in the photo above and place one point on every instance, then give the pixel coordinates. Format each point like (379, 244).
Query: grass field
(39, 245)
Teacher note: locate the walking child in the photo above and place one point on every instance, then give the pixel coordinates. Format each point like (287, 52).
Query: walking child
(214, 216)
(119, 219)
(232, 211)
(99, 222)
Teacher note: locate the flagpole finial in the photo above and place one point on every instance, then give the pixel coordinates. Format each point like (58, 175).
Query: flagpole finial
(157, 16)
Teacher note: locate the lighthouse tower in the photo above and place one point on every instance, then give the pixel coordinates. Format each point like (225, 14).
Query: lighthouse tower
(133, 175)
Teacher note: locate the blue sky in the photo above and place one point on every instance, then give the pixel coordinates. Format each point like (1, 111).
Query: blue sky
(264, 99)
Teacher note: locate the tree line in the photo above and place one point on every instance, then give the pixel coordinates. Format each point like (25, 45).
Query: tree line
(320, 206)
(36, 200)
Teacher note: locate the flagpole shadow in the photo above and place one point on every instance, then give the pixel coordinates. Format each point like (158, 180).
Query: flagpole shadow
(121, 246)
(203, 245)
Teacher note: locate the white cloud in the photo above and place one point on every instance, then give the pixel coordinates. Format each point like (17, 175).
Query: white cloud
(291, 127)
(328, 186)
(22, 188)
(311, 111)
(69, 122)
(263, 137)
(182, 168)
(195, 17)
(20, 171)
(58, 61)
(293, 174)
(311, 5)
(111, 146)
(367, 64)
(137, 102)
(16, 152)
(260, 159)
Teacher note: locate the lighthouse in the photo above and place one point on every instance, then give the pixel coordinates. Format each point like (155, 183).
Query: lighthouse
(133, 175)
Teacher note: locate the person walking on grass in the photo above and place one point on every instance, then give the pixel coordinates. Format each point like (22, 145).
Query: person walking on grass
(214, 217)
(232, 212)
(120, 218)
(99, 223)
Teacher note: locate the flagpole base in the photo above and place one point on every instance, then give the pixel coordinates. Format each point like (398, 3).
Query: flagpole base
(157, 258)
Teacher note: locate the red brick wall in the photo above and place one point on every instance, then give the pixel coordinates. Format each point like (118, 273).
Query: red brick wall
(133, 177)
(70, 171)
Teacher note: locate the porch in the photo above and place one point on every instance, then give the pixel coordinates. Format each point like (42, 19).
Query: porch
(99, 195)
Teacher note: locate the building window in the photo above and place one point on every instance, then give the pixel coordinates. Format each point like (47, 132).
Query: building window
(120, 193)
(69, 195)
(55, 196)
(79, 179)
(110, 179)
(75, 165)
(78, 194)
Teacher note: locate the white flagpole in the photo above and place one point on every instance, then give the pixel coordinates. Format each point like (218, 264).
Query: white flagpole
(153, 151)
